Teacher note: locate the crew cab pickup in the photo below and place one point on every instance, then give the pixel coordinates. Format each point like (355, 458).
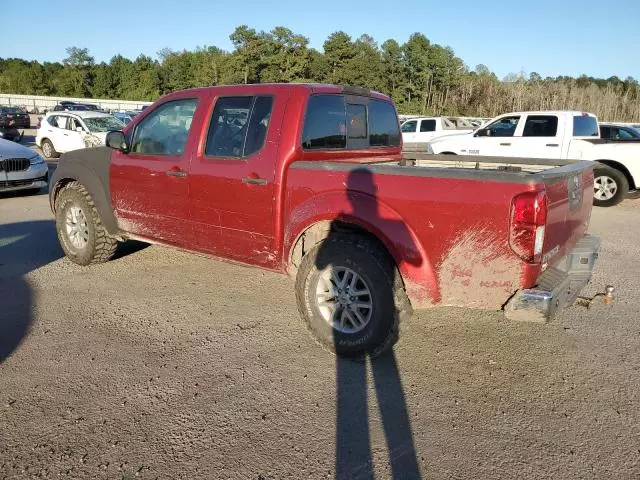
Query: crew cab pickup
(310, 180)
(560, 134)
(424, 129)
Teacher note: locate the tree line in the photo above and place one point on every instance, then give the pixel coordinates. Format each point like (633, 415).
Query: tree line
(422, 77)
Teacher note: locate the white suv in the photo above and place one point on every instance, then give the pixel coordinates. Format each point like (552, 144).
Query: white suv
(61, 132)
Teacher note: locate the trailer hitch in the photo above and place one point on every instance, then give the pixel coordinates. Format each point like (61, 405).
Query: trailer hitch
(607, 299)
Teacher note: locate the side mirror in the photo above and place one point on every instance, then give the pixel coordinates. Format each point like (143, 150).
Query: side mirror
(117, 141)
(483, 132)
(79, 129)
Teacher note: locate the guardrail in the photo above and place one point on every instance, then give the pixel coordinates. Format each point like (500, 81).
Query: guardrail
(40, 103)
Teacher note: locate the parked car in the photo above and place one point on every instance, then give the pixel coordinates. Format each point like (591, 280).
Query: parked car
(610, 131)
(423, 129)
(21, 168)
(327, 196)
(553, 135)
(62, 132)
(124, 117)
(19, 116)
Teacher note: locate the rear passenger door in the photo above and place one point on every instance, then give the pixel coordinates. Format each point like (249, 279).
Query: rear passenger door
(539, 138)
(426, 131)
(54, 128)
(232, 181)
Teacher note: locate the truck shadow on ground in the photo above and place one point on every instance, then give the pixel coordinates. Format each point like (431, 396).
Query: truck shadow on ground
(24, 247)
(353, 456)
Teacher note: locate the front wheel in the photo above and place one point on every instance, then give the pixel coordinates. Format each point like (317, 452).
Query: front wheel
(80, 231)
(610, 186)
(351, 296)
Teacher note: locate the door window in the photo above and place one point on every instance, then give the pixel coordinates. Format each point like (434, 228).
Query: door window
(166, 129)
(238, 126)
(428, 125)
(410, 126)
(58, 121)
(541, 126)
(504, 127)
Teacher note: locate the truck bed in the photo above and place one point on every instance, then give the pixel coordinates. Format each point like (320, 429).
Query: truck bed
(454, 212)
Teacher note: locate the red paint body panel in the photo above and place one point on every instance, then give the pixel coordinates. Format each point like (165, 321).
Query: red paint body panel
(448, 236)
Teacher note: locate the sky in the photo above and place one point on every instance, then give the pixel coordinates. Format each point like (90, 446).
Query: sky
(550, 37)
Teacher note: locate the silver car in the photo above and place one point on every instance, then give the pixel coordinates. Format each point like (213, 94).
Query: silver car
(21, 168)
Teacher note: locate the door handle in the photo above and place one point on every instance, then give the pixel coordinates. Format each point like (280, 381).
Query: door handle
(65, 134)
(553, 145)
(505, 144)
(254, 181)
(176, 172)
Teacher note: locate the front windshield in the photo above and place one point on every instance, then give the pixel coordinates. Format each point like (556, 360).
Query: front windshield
(12, 110)
(103, 124)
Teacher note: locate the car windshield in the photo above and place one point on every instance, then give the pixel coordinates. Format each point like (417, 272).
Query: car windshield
(103, 124)
(11, 110)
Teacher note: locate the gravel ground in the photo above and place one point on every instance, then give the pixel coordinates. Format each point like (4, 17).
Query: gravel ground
(163, 364)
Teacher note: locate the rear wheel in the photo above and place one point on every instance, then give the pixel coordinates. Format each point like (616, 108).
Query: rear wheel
(351, 296)
(610, 186)
(48, 149)
(80, 231)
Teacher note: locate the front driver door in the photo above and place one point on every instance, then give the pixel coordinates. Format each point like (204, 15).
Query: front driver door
(149, 185)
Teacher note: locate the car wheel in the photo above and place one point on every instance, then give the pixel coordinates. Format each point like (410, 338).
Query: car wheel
(81, 234)
(48, 150)
(351, 297)
(610, 186)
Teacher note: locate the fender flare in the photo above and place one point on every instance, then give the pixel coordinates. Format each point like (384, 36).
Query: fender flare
(97, 185)
(378, 220)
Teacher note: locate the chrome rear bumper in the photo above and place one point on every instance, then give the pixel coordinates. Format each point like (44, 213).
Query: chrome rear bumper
(558, 287)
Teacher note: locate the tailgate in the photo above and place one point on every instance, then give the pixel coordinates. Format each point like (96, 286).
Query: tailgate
(570, 198)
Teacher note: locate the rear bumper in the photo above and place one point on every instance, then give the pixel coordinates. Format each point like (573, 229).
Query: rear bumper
(558, 287)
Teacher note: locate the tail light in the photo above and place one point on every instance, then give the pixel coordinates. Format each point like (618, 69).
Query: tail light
(528, 220)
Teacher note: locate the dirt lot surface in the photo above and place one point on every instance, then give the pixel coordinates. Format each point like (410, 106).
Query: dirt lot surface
(163, 364)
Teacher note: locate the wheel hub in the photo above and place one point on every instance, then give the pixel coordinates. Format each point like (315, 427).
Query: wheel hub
(604, 187)
(76, 227)
(344, 299)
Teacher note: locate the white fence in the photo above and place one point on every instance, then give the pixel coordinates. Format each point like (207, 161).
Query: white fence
(34, 102)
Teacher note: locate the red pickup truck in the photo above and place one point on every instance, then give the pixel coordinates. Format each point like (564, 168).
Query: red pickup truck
(310, 180)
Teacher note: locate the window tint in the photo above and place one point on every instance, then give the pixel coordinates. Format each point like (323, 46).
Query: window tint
(356, 121)
(165, 130)
(585, 126)
(505, 127)
(428, 126)
(540, 126)
(258, 125)
(410, 126)
(238, 126)
(325, 123)
(606, 131)
(383, 125)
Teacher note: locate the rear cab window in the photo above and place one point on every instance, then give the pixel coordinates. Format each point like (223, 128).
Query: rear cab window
(585, 126)
(349, 122)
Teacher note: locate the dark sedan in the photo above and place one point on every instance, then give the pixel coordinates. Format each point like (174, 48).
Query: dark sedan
(14, 116)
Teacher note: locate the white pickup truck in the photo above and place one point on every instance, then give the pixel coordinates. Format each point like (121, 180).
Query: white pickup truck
(557, 135)
(424, 129)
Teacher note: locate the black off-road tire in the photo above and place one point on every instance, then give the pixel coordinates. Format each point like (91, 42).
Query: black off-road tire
(373, 264)
(50, 148)
(100, 246)
(602, 170)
